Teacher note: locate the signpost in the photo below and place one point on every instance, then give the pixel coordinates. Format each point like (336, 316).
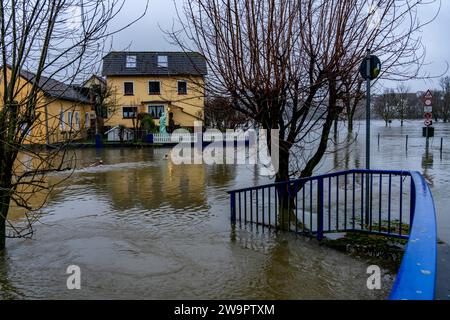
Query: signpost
(370, 69)
(427, 100)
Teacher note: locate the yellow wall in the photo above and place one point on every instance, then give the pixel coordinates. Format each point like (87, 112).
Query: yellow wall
(59, 132)
(186, 108)
(51, 107)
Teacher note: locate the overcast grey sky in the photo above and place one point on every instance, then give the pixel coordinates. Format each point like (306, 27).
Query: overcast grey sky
(146, 34)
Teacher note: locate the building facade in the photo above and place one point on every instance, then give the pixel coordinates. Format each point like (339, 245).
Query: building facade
(157, 83)
(63, 111)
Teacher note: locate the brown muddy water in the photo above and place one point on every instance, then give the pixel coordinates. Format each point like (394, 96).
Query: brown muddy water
(140, 227)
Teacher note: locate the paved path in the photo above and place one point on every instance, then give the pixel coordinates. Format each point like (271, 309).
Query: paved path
(443, 272)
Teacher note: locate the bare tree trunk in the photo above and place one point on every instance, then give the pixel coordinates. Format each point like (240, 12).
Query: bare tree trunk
(332, 115)
(335, 133)
(4, 207)
(350, 123)
(2, 232)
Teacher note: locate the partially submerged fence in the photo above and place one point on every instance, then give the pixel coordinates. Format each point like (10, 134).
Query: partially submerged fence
(398, 204)
(167, 138)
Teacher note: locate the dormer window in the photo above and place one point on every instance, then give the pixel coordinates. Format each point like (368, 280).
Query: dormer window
(163, 62)
(131, 62)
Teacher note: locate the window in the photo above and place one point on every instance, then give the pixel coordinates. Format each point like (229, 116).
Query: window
(154, 87)
(69, 115)
(156, 111)
(131, 62)
(77, 121)
(129, 112)
(182, 87)
(87, 120)
(128, 88)
(61, 120)
(163, 62)
(26, 133)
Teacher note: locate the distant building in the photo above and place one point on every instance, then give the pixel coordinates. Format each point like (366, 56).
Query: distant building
(156, 82)
(63, 111)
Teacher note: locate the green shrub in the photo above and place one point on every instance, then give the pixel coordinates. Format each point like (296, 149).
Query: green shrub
(147, 123)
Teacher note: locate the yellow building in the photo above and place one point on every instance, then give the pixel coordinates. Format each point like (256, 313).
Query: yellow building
(63, 111)
(155, 83)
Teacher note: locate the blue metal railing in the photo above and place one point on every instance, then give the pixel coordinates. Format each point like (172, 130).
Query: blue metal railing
(336, 203)
(417, 274)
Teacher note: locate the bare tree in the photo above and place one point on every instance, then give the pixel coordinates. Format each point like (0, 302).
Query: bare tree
(384, 105)
(283, 62)
(103, 97)
(401, 102)
(220, 114)
(444, 99)
(352, 95)
(57, 40)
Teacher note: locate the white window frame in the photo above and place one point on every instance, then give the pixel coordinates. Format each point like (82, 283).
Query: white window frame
(131, 61)
(135, 115)
(161, 63)
(87, 120)
(77, 120)
(69, 118)
(22, 130)
(160, 87)
(62, 124)
(178, 91)
(155, 105)
(124, 93)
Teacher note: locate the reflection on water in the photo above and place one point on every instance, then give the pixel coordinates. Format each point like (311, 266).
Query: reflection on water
(427, 160)
(427, 165)
(141, 227)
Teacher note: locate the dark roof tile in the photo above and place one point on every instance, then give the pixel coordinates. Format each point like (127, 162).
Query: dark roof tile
(179, 63)
(57, 89)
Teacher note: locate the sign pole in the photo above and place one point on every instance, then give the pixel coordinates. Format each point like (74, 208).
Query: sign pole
(370, 69)
(367, 203)
(427, 100)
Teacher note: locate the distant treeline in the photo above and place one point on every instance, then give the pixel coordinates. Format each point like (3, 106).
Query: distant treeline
(400, 104)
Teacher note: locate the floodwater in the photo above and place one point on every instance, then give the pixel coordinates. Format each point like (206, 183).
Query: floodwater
(140, 227)
(393, 153)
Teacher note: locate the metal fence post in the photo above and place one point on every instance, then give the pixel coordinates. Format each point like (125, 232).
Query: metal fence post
(98, 140)
(412, 205)
(233, 207)
(320, 209)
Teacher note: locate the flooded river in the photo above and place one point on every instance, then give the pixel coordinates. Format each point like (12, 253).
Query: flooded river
(140, 227)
